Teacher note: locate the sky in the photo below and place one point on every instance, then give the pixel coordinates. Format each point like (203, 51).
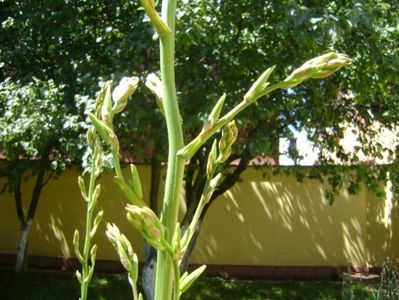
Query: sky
(305, 148)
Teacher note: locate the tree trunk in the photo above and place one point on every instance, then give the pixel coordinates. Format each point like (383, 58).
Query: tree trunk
(185, 262)
(26, 224)
(149, 268)
(21, 260)
(195, 195)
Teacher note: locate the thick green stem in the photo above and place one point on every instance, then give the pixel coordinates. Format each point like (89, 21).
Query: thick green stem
(176, 273)
(175, 171)
(89, 218)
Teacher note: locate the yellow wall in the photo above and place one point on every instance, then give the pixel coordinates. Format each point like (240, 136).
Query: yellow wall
(274, 221)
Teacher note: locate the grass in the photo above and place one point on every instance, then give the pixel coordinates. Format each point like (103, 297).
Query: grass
(46, 285)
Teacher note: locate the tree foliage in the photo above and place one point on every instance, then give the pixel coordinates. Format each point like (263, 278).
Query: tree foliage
(222, 46)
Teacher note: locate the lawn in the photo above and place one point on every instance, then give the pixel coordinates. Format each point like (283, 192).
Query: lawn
(51, 285)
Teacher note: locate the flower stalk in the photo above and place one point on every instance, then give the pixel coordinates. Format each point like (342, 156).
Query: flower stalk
(91, 199)
(163, 232)
(175, 170)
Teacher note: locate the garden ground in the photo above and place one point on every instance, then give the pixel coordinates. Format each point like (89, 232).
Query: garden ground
(59, 285)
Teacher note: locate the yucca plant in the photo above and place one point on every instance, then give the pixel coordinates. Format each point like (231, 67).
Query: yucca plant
(163, 232)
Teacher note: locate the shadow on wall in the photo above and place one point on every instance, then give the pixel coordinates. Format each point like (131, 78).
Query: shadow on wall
(281, 222)
(382, 227)
(62, 209)
(258, 222)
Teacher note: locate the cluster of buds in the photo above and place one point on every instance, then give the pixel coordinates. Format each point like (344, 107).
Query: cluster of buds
(149, 225)
(86, 277)
(124, 249)
(229, 136)
(107, 105)
(318, 67)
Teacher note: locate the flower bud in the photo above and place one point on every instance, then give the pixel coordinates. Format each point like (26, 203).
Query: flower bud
(76, 245)
(96, 222)
(215, 182)
(96, 195)
(93, 254)
(106, 108)
(318, 67)
(259, 86)
(146, 221)
(122, 247)
(188, 279)
(82, 187)
(212, 160)
(126, 87)
(135, 182)
(176, 243)
(229, 136)
(105, 132)
(154, 84)
(100, 100)
(215, 113)
(79, 276)
(91, 135)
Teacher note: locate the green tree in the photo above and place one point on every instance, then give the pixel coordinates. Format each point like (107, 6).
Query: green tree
(39, 137)
(222, 46)
(226, 44)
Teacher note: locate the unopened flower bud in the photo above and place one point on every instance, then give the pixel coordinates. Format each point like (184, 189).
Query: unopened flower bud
(213, 184)
(82, 187)
(97, 191)
(79, 276)
(96, 222)
(76, 245)
(93, 253)
(154, 84)
(259, 86)
(188, 279)
(229, 136)
(215, 113)
(318, 67)
(147, 222)
(91, 135)
(223, 156)
(106, 108)
(105, 132)
(100, 100)
(122, 247)
(212, 160)
(135, 182)
(126, 87)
